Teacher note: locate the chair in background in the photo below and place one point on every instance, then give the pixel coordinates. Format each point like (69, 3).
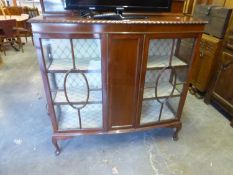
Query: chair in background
(1, 40)
(25, 28)
(5, 11)
(15, 10)
(10, 35)
(32, 12)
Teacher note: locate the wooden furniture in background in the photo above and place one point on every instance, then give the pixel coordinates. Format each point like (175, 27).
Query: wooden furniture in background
(21, 14)
(218, 18)
(177, 6)
(10, 35)
(5, 11)
(2, 3)
(15, 10)
(1, 62)
(226, 3)
(229, 3)
(32, 12)
(189, 7)
(216, 2)
(221, 91)
(206, 63)
(1, 33)
(103, 76)
(20, 20)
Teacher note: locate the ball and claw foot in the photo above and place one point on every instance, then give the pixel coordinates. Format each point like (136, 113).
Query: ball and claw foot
(58, 150)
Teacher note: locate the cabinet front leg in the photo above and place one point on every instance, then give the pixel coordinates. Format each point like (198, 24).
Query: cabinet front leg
(178, 128)
(58, 150)
(47, 108)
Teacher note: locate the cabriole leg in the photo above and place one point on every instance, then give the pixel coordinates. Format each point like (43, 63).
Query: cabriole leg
(58, 150)
(175, 135)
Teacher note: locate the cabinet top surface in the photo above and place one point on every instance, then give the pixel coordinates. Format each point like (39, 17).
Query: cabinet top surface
(157, 19)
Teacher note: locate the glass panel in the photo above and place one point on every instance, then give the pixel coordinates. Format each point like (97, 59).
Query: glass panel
(87, 54)
(57, 80)
(167, 69)
(151, 110)
(57, 54)
(75, 81)
(67, 117)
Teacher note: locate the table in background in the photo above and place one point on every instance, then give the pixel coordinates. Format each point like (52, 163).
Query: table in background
(20, 20)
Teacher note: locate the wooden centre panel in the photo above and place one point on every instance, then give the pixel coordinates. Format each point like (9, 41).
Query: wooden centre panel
(124, 60)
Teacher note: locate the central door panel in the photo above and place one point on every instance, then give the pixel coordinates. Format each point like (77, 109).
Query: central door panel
(124, 58)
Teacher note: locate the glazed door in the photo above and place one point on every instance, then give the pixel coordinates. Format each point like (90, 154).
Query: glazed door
(164, 81)
(74, 76)
(124, 59)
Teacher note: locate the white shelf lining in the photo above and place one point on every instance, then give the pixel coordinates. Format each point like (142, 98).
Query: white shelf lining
(80, 97)
(163, 61)
(164, 90)
(84, 64)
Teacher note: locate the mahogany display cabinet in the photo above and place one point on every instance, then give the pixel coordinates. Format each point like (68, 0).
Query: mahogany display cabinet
(106, 76)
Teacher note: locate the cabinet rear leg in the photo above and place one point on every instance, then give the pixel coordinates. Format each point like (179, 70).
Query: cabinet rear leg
(192, 90)
(58, 150)
(178, 128)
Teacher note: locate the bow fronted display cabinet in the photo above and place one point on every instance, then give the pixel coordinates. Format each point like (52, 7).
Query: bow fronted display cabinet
(103, 76)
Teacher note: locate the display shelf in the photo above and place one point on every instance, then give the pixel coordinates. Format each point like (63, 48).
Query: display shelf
(67, 117)
(151, 110)
(85, 65)
(164, 91)
(94, 97)
(56, 80)
(159, 62)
